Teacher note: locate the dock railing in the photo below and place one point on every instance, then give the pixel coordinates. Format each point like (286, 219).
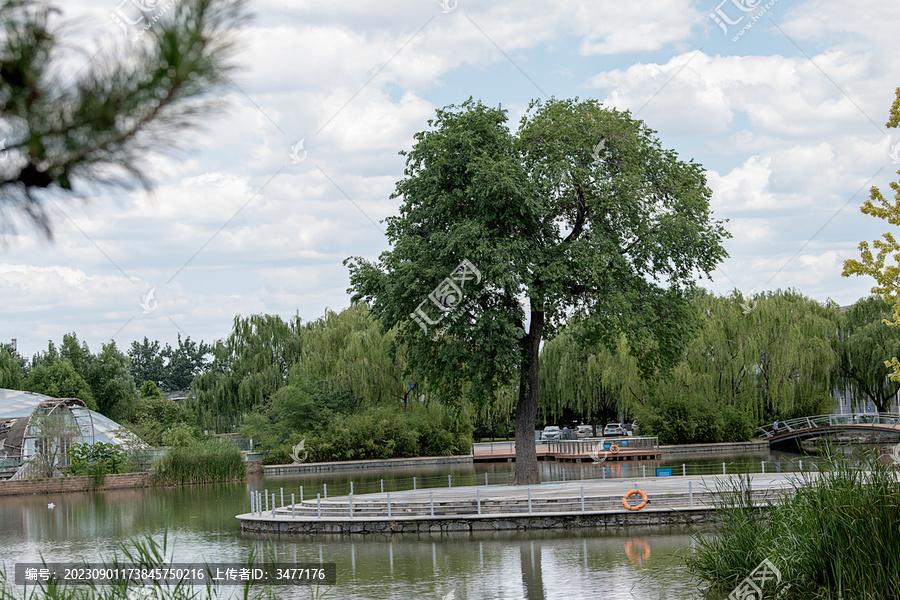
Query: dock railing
(588, 445)
(340, 499)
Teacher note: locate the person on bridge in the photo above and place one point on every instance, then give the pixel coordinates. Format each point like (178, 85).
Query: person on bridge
(775, 426)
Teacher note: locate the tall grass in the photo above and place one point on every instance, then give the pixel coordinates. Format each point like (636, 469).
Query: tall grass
(200, 462)
(836, 535)
(145, 553)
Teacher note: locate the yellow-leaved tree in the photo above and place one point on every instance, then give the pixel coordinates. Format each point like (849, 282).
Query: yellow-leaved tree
(882, 259)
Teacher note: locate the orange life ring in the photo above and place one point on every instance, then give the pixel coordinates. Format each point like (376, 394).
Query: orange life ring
(632, 551)
(614, 449)
(632, 493)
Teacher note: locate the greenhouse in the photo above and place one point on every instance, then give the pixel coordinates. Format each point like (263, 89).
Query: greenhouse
(36, 432)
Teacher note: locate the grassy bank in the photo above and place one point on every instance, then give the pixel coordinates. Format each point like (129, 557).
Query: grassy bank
(835, 536)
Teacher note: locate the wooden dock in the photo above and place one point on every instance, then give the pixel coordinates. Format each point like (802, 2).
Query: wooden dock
(586, 450)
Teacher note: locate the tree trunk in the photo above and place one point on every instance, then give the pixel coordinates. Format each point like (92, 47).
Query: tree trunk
(526, 409)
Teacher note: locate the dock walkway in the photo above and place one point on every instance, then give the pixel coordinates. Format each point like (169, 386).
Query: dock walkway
(597, 503)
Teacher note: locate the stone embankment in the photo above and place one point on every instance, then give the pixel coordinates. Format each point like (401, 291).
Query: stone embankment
(85, 483)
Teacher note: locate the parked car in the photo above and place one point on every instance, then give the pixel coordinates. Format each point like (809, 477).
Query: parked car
(584, 431)
(551, 432)
(614, 429)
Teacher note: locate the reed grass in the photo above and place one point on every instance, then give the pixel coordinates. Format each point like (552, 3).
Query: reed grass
(147, 553)
(201, 462)
(835, 535)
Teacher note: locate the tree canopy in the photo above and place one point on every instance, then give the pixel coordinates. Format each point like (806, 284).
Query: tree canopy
(580, 212)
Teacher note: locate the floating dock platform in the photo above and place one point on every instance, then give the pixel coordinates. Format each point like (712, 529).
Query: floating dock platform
(586, 503)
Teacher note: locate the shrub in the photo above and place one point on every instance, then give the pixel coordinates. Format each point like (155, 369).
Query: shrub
(688, 419)
(389, 432)
(97, 460)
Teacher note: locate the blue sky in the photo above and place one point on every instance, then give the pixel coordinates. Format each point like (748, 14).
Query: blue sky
(788, 120)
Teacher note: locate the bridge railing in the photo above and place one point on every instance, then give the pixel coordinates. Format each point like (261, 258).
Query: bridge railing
(801, 423)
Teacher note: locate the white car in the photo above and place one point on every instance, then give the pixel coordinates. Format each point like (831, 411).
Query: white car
(551, 432)
(614, 429)
(584, 431)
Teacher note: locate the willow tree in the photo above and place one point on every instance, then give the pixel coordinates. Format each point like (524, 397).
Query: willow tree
(741, 369)
(249, 366)
(776, 359)
(865, 340)
(502, 236)
(351, 351)
(345, 355)
(591, 380)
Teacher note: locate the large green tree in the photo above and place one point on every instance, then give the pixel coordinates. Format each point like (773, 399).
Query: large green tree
(12, 368)
(147, 363)
(579, 212)
(112, 383)
(865, 341)
(183, 363)
(59, 379)
(63, 130)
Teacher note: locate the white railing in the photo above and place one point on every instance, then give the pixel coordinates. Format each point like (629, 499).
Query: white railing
(852, 419)
(337, 499)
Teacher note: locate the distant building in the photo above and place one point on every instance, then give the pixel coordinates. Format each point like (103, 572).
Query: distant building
(36, 425)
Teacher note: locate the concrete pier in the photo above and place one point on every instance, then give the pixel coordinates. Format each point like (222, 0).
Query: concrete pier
(585, 503)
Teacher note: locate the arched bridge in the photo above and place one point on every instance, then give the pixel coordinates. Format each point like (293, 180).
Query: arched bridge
(795, 430)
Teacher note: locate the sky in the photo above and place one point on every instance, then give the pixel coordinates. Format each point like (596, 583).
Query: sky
(783, 102)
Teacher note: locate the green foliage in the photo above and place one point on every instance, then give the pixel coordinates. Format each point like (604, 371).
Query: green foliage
(112, 383)
(183, 363)
(337, 362)
(97, 460)
(884, 265)
(149, 391)
(750, 360)
(865, 341)
(617, 237)
(100, 124)
(179, 436)
(11, 372)
(388, 432)
(58, 379)
(593, 381)
(687, 419)
(103, 382)
(249, 367)
(834, 536)
(200, 462)
(106, 455)
(146, 362)
(153, 417)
